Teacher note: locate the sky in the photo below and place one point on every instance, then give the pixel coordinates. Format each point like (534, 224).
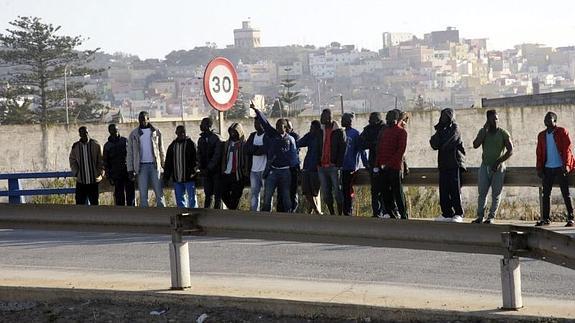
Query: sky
(152, 29)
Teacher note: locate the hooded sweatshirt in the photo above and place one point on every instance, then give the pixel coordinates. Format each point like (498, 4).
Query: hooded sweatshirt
(448, 143)
(282, 149)
(239, 160)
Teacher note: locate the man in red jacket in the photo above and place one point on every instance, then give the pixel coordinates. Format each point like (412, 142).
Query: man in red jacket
(390, 150)
(554, 162)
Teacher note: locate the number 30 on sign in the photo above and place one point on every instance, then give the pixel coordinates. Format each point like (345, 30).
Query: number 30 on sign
(221, 84)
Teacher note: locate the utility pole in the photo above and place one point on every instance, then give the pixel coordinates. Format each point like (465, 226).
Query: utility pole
(341, 101)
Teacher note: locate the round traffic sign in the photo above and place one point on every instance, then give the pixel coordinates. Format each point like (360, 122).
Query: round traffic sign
(221, 84)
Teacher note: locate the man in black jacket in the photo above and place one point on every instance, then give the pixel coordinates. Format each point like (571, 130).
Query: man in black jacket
(369, 139)
(116, 170)
(332, 155)
(180, 167)
(256, 157)
(451, 154)
(209, 163)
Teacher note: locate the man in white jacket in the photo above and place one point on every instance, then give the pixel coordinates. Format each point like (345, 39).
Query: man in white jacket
(145, 159)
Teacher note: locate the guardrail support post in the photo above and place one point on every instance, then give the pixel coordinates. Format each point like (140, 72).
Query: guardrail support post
(511, 269)
(511, 283)
(179, 255)
(14, 185)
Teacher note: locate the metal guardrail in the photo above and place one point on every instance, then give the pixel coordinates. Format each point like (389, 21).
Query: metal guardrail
(509, 241)
(16, 194)
(514, 176)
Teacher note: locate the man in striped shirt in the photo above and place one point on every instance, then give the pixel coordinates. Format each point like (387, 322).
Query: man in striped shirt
(87, 166)
(181, 167)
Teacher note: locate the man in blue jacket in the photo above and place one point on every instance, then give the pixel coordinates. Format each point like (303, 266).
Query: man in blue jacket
(310, 185)
(281, 153)
(353, 152)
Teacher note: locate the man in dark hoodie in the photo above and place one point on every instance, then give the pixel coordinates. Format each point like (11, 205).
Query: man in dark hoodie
(180, 168)
(281, 153)
(234, 167)
(450, 154)
(256, 154)
(369, 138)
(209, 163)
(332, 156)
(116, 170)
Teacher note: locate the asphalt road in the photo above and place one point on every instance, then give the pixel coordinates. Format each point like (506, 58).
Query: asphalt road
(113, 253)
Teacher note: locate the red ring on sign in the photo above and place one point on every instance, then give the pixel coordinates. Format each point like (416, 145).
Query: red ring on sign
(228, 65)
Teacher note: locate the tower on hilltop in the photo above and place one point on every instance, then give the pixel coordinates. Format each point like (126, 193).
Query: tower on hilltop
(247, 37)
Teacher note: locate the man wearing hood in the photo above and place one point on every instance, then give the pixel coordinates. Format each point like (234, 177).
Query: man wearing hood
(180, 168)
(493, 141)
(145, 158)
(234, 167)
(87, 166)
(369, 138)
(331, 162)
(116, 170)
(450, 156)
(282, 151)
(209, 163)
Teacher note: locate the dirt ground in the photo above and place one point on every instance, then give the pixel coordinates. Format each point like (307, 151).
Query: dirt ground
(108, 311)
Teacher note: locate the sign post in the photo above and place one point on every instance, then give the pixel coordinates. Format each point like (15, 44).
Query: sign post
(221, 87)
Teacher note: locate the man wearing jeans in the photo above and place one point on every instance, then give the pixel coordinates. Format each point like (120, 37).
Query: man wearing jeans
(353, 152)
(554, 162)
(281, 152)
(494, 141)
(332, 155)
(181, 168)
(257, 159)
(145, 158)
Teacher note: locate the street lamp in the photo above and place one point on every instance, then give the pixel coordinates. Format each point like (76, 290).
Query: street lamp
(66, 92)
(394, 96)
(340, 100)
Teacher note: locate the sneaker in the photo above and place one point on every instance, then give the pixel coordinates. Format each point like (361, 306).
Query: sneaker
(386, 216)
(477, 221)
(542, 223)
(457, 219)
(570, 223)
(488, 221)
(441, 218)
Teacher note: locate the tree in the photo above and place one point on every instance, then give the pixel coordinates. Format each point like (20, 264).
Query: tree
(238, 111)
(13, 109)
(288, 96)
(38, 58)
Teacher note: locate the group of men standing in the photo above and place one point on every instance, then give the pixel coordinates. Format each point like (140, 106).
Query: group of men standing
(554, 163)
(268, 162)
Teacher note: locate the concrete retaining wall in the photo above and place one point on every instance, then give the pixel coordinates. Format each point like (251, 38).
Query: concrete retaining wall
(31, 148)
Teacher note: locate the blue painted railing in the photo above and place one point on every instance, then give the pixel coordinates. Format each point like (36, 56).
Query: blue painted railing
(16, 194)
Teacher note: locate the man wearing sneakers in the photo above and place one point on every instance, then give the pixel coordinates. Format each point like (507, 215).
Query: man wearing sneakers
(450, 157)
(494, 141)
(554, 162)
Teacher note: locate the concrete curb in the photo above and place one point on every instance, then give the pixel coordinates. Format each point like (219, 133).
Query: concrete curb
(278, 307)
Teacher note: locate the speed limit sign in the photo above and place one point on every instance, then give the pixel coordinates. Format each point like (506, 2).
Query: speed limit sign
(221, 84)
